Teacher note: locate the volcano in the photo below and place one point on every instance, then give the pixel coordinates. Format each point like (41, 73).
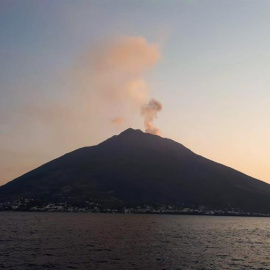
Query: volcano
(139, 168)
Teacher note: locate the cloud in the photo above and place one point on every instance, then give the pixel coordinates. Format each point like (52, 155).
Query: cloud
(118, 120)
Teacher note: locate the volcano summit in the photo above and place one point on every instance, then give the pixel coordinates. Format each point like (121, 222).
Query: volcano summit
(135, 168)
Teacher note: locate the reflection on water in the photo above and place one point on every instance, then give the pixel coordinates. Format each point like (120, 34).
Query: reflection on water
(118, 241)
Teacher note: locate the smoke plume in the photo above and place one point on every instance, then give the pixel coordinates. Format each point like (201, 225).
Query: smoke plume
(118, 72)
(149, 111)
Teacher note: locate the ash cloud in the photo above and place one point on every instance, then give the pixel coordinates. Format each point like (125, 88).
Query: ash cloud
(149, 112)
(118, 71)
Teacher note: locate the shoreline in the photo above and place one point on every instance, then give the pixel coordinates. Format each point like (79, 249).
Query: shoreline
(146, 213)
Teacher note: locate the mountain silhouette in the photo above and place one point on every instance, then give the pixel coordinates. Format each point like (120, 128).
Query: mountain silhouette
(138, 168)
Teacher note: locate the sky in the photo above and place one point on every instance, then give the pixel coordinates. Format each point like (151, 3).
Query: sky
(63, 84)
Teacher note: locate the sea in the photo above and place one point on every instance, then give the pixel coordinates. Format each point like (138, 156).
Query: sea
(132, 241)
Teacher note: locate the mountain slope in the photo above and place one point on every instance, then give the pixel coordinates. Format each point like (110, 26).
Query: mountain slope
(135, 167)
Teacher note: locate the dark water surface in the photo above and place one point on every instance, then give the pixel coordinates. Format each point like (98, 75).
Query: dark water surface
(118, 241)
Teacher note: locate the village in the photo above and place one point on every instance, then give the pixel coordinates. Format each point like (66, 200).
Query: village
(31, 205)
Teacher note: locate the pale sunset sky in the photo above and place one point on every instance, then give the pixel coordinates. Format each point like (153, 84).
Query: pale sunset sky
(206, 61)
